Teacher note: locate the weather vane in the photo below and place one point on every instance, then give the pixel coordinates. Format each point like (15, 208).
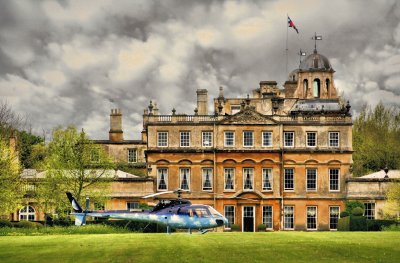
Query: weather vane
(301, 54)
(315, 38)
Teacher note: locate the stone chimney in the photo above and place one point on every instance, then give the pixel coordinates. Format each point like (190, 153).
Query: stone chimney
(202, 99)
(116, 134)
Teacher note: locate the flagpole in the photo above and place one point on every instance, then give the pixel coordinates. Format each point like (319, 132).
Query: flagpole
(287, 36)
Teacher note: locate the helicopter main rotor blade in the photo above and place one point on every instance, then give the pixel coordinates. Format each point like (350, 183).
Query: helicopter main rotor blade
(157, 194)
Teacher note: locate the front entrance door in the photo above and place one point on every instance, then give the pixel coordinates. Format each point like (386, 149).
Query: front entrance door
(248, 219)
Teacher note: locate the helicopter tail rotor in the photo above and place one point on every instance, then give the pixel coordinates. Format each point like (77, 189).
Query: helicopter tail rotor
(80, 215)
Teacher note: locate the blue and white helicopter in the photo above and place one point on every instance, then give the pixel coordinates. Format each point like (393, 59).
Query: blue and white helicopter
(174, 214)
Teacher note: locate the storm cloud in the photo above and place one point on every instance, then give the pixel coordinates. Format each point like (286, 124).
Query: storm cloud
(70, 62)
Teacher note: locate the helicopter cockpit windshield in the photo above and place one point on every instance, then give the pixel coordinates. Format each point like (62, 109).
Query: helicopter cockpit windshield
(214, 212)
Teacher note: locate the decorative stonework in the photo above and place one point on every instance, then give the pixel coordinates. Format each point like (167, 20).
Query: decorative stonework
(248, 116)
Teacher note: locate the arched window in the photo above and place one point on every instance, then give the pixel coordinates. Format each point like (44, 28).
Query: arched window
(305, 87)
(317, 88)
(327, 87)
(27, 213)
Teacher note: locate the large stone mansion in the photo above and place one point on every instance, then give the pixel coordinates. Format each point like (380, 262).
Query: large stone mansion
(280, 156)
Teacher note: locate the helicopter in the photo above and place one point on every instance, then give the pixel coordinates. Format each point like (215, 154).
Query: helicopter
(174, 214)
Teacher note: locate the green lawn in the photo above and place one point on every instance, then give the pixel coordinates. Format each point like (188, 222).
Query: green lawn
(212, 247)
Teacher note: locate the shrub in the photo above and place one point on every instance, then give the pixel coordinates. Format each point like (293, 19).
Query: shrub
(357, 211)
(5, 223)
(344, 224)
(235, 227)
(378, 225)
(394, 227)
(350, 205)
(352, 223)
(344, 214)
(63, 221)
(27, 224)
(358, 223)
(261, 227)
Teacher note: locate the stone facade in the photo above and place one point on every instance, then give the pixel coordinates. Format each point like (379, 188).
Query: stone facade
(287, 157)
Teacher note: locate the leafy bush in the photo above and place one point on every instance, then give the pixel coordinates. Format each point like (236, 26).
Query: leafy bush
(5, 223)
(63, 221)
(358, 223)
(344, 224)
(378, 225)
(344, 214)
(357, 211)
(352, 223)
(235, 227)
(261, 227)
(350, 205)
(394, 227)
(28, 224)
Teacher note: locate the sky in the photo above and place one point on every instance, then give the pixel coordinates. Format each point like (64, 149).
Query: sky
(68, 62)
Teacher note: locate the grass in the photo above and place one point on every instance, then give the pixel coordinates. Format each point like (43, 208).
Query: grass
(212, 247)
(60, 230)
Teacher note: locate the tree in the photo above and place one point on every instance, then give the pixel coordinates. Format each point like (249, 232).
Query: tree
(392, 206)
(376, 140)
(73, 163)
(9, 121)
(10, 181)
(30, 149)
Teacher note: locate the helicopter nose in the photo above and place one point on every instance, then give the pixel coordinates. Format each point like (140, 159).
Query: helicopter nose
(219, 222)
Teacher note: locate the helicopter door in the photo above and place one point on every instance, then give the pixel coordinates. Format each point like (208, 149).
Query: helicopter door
(248, 219)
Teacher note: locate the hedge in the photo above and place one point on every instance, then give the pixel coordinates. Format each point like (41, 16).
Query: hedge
(5, 223)
(352, 223)
(376, 225)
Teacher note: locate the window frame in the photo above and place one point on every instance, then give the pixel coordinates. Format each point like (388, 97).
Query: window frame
(272, 217)
(316, 180)
(330, 217)
(233, 179)
(182, 139)
(132, 202)
(284, 180)
(244, 139)
(165, 179)
(233, 216)
(233, 139)
(188, 178)
(338, 139)
(284, 139)
(308, 139)
(203, 179)
(159, 138)
(367, 215)
(135, 159)
(263, 139)
(27, 215)
(284, 217)
(211, 138)
(270, 179)
(251, 178)
(309, 217)
(330, 180)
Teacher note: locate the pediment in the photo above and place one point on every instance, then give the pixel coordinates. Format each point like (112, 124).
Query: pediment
(248, 116)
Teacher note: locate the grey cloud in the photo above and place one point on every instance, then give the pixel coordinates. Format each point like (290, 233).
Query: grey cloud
(72, 60)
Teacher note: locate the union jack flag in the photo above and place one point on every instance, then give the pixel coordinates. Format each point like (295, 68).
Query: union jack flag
(291, 24)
